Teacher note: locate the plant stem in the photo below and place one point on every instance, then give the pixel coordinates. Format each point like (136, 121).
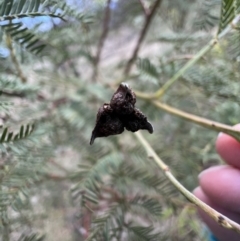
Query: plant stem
(213, 125)
(102, 39)
(189, 64)
(14, 59)
(218, 217)
(148, 21)
(199, 120)
(6, 232)
(159, 93)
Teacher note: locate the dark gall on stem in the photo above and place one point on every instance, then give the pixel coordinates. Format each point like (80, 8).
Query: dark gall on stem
(120, 113)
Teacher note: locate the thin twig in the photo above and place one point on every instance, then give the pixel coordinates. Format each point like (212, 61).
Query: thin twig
(102, 38)
(14, 59)
(180, 57)
(189, 64)
(159, 93)
(218, 217)
(12, 94)
(170, 82)
(213, 125)
(148, 21)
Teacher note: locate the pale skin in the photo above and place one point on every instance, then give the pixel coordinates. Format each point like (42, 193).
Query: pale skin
(220, 187)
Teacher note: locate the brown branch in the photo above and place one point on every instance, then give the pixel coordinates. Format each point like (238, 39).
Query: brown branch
(55, 177)
(147, 23)
(102, 39)
(12, 94)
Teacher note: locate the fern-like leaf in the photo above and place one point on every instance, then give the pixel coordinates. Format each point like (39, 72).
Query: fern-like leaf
(139, 233)
(229, 9)
(5, 106)
(148, 69)
(8, 136)
(151, 205)
(31, 237)
(207, 17)
(10, 9)
(24, 37)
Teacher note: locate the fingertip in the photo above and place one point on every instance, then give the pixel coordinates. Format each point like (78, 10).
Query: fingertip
(221, 185)
(221, 233)
(229, 148)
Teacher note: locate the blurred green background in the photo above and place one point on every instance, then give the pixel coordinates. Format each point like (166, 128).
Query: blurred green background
(56, 73)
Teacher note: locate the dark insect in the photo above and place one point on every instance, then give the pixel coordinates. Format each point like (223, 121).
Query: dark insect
(120, 113)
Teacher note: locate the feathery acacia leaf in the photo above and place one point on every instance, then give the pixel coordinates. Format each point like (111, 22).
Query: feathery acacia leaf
(12, 9)
(24, 37)
(24, 132)
(147, 68)
(139, 233)
(229, 10)
(153, 206)
(207, 17)
(32, 237)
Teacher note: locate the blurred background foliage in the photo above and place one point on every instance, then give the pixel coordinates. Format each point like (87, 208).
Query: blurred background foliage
(59, 62)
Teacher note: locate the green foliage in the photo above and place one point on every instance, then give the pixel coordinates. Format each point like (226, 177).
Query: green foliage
(229, 10)
(31, 237)
(147, 69)
(7, 137)
(11, 10)
(207, 17)
(24, 37)
(51, 179)
(11, 86)
(142, 233)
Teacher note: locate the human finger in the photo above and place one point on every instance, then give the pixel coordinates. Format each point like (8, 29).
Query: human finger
(222, 234)
(221, 185)
(229, 148)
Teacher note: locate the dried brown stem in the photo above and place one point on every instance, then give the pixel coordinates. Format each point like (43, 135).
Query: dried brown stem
(102, 38)
(142, 35)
